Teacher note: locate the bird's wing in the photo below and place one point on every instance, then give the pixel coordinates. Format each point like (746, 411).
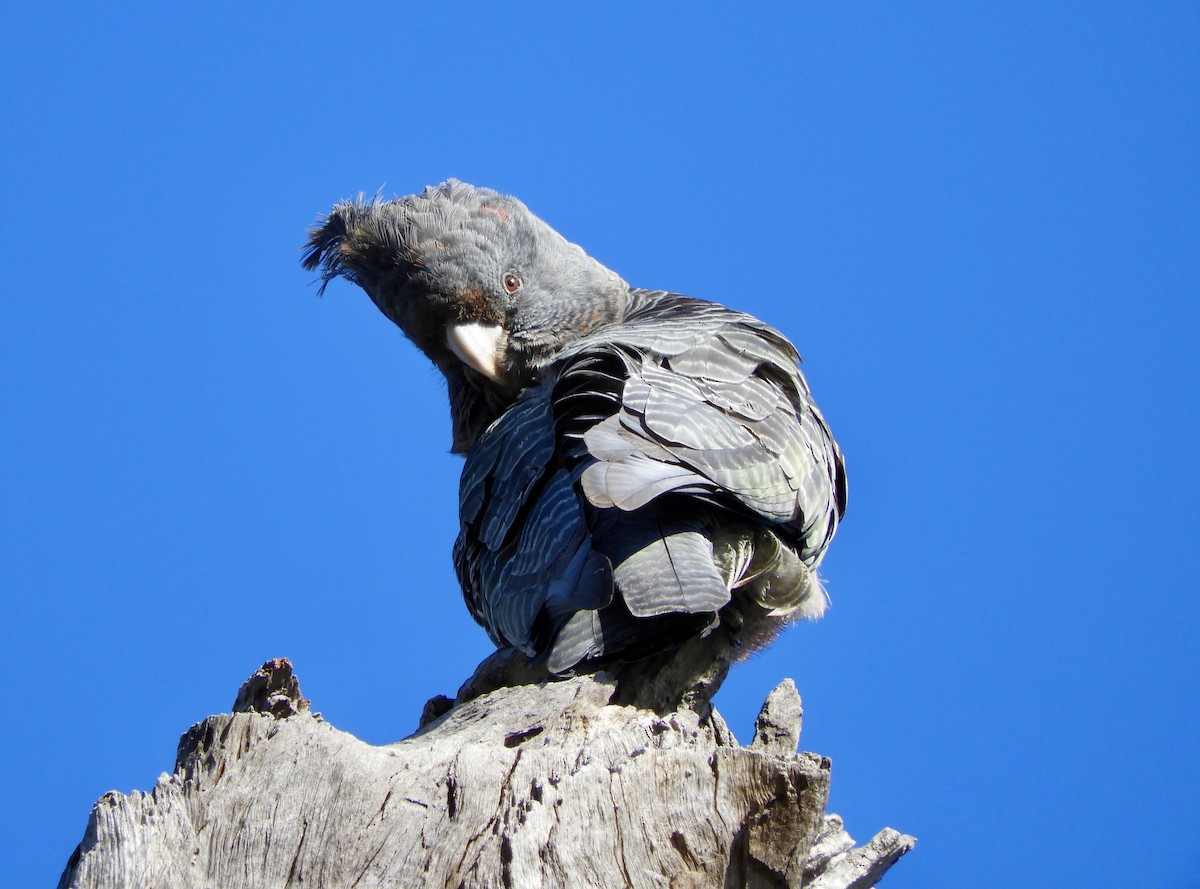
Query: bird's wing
(718, 395)
(589, 509)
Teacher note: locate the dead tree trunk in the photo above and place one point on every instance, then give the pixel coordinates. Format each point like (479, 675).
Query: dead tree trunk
(546, 785)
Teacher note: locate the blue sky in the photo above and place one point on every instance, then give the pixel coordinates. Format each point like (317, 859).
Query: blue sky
(979, 226)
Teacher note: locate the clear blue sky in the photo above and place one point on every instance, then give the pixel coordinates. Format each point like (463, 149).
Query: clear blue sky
(979, 225)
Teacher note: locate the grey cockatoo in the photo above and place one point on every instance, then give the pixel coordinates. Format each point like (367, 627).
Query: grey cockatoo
(642, 468)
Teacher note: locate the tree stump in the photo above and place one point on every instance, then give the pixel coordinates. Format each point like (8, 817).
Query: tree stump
(543, 785)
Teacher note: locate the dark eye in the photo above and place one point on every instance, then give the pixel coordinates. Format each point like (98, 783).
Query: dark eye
(512, 283)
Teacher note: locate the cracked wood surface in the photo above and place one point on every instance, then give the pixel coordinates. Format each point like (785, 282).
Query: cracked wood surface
(533, 786)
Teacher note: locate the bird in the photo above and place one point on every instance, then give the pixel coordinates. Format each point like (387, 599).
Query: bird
(642, 468)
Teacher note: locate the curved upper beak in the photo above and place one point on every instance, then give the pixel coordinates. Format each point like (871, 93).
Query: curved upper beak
(477, 345)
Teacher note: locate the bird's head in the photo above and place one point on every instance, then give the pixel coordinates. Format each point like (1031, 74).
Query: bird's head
(485, 289)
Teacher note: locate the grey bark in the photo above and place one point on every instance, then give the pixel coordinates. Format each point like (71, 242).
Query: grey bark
(544, 785)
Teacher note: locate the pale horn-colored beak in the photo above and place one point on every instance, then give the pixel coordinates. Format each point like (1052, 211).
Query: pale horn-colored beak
(477, 346)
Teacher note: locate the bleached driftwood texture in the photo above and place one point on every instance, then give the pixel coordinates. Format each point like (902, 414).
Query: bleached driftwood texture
(546, 785)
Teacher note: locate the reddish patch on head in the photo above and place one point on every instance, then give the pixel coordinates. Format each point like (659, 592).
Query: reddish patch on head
(474, 305)
(492, 208)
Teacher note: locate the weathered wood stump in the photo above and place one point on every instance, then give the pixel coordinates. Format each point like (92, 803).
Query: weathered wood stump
(546, 785)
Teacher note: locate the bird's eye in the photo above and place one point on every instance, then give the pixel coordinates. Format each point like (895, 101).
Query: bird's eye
(512, 283)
